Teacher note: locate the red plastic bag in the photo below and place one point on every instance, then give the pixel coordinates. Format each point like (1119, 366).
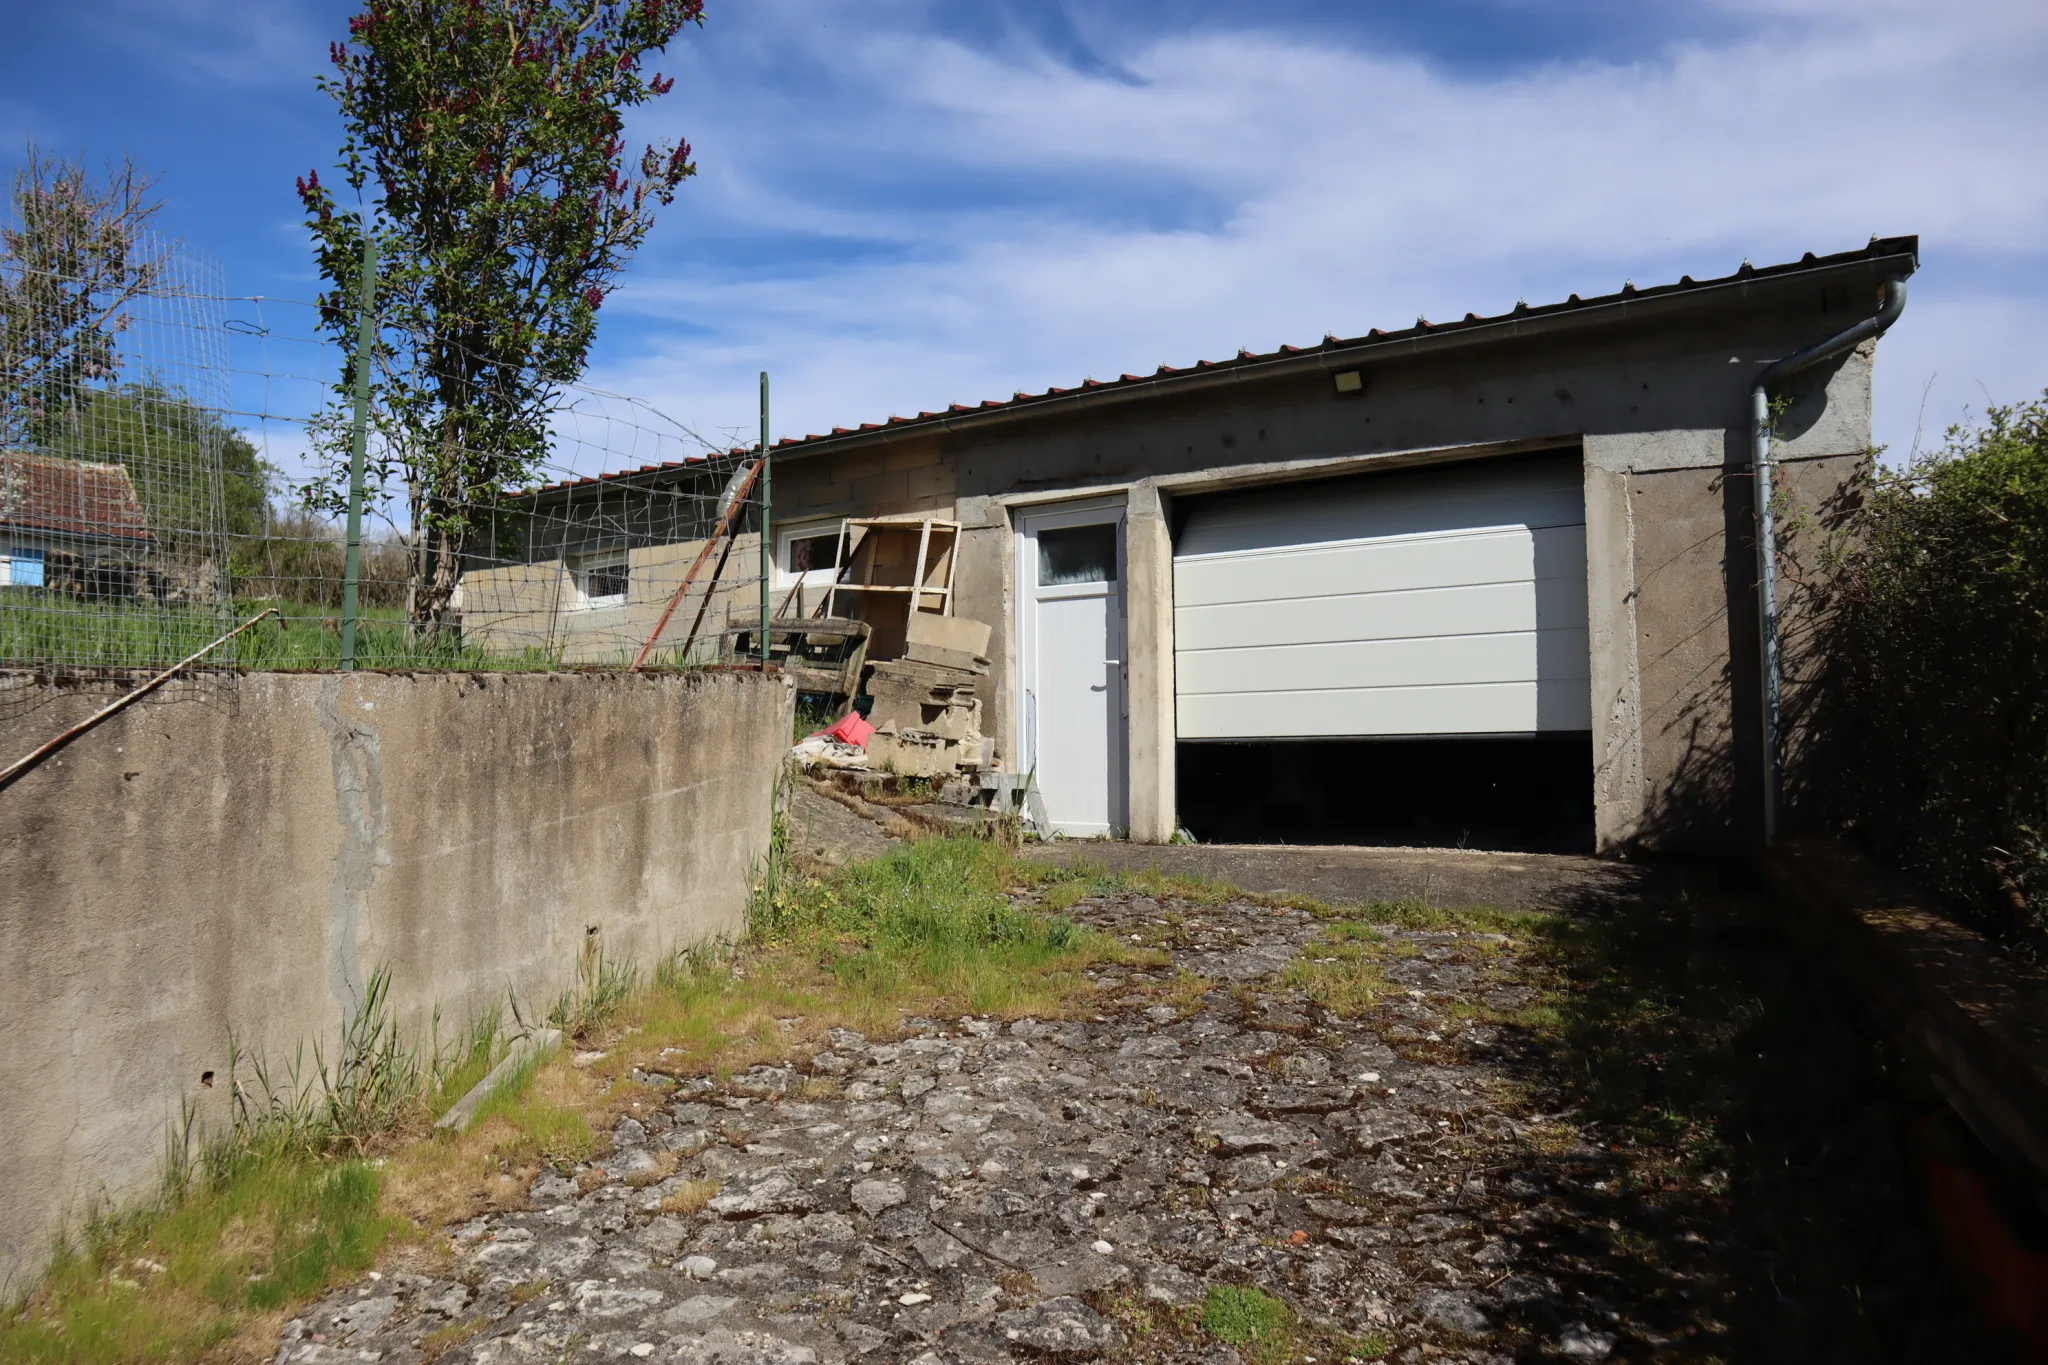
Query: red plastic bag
(854, 730)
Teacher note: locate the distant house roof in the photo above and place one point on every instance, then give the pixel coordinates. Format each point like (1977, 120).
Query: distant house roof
(69, 497)
(716, 463)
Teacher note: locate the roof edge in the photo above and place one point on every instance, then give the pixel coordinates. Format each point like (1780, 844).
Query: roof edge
(1900, 254)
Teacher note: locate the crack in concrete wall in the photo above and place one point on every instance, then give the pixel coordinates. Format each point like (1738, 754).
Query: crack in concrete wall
(359, 806)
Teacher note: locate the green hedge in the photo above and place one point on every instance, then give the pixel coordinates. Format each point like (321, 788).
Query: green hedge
(1937, 699)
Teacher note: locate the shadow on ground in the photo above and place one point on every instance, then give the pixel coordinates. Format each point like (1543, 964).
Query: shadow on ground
(1717, 1156)
(1745, 1177)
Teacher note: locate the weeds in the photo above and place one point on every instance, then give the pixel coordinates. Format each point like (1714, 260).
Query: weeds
(690, 1198)
(136, 635)
(1266, 1331)
(603, 984)
(1420, 913)
(441, 1341)
(1741, 1101)
(930, 917)
(1080, 879)
(1258, 1324)
(270, 1227)
(813, 713)
(377, 1080)
(1344, 978)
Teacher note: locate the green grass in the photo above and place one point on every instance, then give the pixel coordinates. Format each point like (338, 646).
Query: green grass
(603, 985)
(1419, 913)
(171, 1283)
(37, 628)
(812, 715)
(930, 917)
(1342, 974)
(1253, 1321)
(1077, 878)
(1266, 1331)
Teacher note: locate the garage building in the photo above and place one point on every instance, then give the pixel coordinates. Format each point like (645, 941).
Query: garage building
(1490, 581)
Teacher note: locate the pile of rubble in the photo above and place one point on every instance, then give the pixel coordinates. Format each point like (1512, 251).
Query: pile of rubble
(927, 712)
(925, 720)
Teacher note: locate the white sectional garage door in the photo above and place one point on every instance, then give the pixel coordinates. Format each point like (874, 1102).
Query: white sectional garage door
(1443, 602)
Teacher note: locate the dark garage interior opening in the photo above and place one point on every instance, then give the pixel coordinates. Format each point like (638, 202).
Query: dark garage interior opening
(1518, 793)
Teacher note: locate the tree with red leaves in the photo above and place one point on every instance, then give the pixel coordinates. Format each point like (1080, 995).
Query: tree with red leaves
(485, 147)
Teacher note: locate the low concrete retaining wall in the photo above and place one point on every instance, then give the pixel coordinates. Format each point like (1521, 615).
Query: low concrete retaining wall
(1974, 1023)
(186, 872)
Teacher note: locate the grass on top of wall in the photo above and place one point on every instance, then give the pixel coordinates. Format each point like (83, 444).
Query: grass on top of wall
(297, 1205)
(47, 629)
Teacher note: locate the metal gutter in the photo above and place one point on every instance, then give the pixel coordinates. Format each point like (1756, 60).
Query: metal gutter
(1893, 303)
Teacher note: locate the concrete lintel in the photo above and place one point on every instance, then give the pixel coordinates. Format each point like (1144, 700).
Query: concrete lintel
(1039, 497)
(1643, 452)
(1226, 477)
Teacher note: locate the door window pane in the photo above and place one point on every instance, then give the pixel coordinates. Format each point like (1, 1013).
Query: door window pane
(1077, 554)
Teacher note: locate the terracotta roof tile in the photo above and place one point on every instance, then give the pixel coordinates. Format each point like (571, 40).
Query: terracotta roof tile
(69, 497)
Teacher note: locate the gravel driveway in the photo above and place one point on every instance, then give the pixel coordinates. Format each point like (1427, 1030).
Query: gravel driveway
(989, 1191)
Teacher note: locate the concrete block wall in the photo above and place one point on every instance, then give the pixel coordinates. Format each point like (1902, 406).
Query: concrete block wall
(186, 872)
(514, 607)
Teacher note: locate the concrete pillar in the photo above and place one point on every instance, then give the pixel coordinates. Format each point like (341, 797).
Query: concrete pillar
(983, 590)
(1148, 558)
(1616, 675)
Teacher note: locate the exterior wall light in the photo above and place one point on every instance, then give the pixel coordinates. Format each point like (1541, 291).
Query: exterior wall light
(1350, 381)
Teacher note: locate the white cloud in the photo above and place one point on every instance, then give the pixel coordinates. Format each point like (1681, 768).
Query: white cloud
(1252, 189)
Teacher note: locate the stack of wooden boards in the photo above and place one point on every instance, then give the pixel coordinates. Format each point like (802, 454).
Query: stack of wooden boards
(927, 711)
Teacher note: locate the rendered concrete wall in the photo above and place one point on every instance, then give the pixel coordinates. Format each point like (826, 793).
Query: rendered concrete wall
(189, 871)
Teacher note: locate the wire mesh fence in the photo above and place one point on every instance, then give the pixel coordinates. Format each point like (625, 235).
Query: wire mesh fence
(173, 462)
(112, 528)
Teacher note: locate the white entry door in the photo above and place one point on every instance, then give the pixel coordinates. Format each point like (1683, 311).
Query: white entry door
(1070, 588)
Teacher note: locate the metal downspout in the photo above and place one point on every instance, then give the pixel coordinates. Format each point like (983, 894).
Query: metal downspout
(1893, 303)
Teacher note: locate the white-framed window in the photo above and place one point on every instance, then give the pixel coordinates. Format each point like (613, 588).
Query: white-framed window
(807, 552)
(601, 578)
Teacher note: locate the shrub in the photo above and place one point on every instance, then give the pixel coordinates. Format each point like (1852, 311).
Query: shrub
(1936, 704)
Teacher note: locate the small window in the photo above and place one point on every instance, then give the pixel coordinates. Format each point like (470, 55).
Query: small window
(806, 553)
(22, 568)
(601, 578)
(1077, 554)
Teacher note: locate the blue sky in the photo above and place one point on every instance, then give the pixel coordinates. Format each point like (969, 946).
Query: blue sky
(912, 202)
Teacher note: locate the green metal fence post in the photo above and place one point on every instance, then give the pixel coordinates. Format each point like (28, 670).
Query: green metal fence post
(767, 536)
(359, 436)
